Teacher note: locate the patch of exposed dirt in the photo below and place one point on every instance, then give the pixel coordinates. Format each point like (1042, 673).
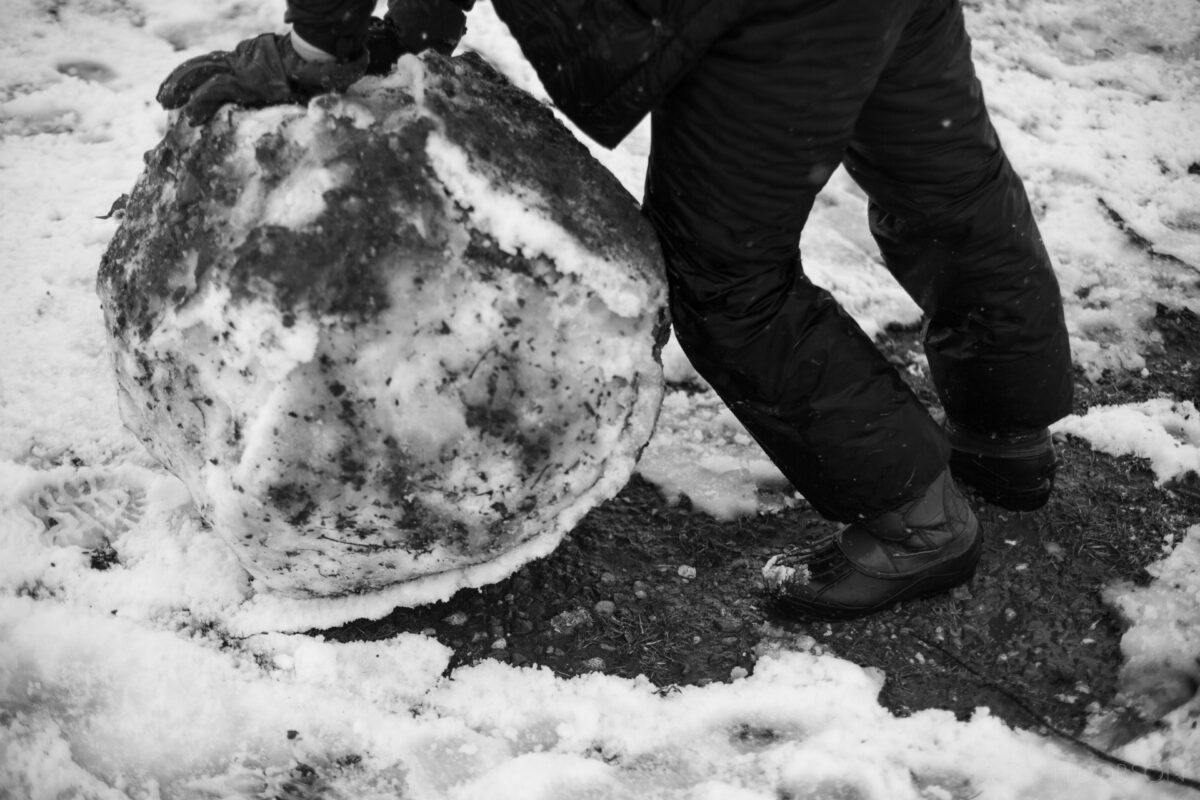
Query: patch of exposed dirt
(643, 587)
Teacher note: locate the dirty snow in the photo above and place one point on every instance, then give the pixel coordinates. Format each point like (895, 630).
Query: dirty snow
(149, 680)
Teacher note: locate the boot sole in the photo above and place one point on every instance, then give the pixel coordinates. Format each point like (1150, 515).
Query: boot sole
(945, 577)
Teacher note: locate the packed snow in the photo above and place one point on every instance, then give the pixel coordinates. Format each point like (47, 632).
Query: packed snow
(392, 401)
(167, 675)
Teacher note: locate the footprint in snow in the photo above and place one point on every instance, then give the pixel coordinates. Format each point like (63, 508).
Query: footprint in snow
(88, 510)
(87, 70)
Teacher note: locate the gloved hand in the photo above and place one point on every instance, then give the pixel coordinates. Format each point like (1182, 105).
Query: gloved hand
(412, 26)
(262, 71)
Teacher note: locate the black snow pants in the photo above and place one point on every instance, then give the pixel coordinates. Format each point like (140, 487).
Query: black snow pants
(740, 149)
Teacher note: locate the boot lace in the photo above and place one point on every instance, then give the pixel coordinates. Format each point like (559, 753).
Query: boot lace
(818, 562)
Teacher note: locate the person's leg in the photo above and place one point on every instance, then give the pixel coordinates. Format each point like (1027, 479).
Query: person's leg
(955, 227)
(739, 150)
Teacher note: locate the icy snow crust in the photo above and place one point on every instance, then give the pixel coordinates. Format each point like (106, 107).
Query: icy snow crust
(404, 337)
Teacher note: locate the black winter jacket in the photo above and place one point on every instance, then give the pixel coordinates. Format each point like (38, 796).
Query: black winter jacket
(605, 63)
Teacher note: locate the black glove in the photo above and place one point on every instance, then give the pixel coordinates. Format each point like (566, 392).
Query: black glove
(412, 26)
(262, 71)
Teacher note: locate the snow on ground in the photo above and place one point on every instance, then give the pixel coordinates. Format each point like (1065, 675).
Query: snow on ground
(1164, 431)
(158, 677)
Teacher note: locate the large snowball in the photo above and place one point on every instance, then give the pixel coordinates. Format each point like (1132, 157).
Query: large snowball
(405, 335)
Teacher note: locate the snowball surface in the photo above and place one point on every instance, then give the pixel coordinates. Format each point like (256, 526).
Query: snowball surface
(405, 336)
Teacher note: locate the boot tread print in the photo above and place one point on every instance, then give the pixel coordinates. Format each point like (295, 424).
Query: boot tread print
(88, 510)
(930, 546)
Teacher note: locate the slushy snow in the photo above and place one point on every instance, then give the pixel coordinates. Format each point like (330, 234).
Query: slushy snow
(166, 676)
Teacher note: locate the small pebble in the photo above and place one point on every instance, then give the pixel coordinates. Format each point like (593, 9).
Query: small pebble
(457, 618)
(500, 644)
(737, 673)
(594, 664)
(606, 608)
(569, 621)
(686, 572)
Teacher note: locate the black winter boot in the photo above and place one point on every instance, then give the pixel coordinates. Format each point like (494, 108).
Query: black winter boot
(927, 546)
(1015, 471)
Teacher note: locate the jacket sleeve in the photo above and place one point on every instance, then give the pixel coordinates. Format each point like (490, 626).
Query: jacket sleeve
(339, 27)
(608, 63)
